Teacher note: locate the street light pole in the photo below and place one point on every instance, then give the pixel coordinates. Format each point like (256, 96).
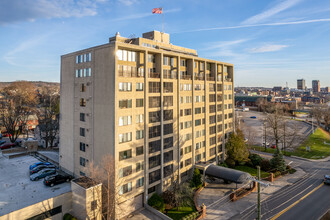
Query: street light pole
(259, 205)
(265, 123)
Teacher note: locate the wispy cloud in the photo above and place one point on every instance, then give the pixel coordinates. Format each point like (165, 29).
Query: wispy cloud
(26, 10)
(256, 25)
(144, 15)
(271, 12)
(267, 48)
(128, 2)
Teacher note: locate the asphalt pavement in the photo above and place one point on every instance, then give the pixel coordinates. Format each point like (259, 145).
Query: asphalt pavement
(308, 198)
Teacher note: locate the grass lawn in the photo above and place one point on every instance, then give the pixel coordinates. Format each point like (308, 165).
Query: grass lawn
(269, 150)
(316, 143)
(180, 213)
(252, 171)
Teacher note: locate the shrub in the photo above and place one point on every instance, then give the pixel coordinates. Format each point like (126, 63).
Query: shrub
(223, 164)
(255, 159)
(292, 170)
(169, 197)
(277, 173)
(196, 179)
(68, 216)
(157, 202)
(230, 162)
(265, 165)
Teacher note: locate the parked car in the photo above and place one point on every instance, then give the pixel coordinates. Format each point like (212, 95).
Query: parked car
(38, 164)
(57, 178)
(2, 142)
(253, 117)
(0, 135)
(42, 173)
(273, 146)
(267, 144)
(8, 145)
(327, 179)
(41, 167)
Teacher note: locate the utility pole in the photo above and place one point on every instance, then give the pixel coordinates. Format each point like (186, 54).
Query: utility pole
(259, 205)
(265, 123)
(284, 136)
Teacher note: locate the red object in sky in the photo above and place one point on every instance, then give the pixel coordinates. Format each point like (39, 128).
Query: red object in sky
(157, 11)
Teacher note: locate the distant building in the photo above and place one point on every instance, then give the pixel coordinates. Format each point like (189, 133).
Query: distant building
(301, 84)
(277, 88)
(316, 85)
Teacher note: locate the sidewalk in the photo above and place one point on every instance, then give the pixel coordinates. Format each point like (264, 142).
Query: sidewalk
(225, 209)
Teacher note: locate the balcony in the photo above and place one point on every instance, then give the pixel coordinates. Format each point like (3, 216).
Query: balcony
(186, 77)
(210, 78)
(199, 78)
(169, 76)
(154, 75)
(228, 80)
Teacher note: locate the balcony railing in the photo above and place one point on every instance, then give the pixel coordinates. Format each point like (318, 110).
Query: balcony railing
(187, 77)
(154, 75)
(199, 78)
(210, 78)
(169, 76)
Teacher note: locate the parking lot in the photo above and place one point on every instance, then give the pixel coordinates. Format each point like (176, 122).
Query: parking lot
(16, 189)
(254, 131)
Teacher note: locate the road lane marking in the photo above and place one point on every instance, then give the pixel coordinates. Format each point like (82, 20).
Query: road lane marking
(302, 198)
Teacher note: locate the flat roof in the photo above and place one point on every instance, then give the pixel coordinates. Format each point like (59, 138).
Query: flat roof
(85, 182)
(17, 190)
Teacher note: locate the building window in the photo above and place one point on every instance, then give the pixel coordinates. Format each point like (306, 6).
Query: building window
(168, 156)
(212, 141)
(168, 129)
(139, 118)
(212, 98)
(183, 62)
(168, 101)
(82, 146)
(187, 149)
(125, 120)
(198, 158)
(166, 61)
(154, 117)
(154, 131)
(198, 145)
(198, 110)
(154, 87)
(82, 132)
(87, 72)
(83, 102)
(187, 162)
(154, 102)
(82, 173)
(139, 86)
(168, 142)
(79, 58)
(168, 115)
(93, 205)
(154, 146)
(82, 87)
(188, 99)
(151, 58)
(126, 137)
(88, 57)
(154, 161)
(187, 124)
(139, 166)
(188, 136)
(125, 86)
(125, 103)
(126, 171)
(125, 188)
(82, 116)
(212, 87)
(123, 155)
(82, 161)
(187, 112)
(139, 134)
(168, 87)
(154, 176)
(139, 103)
(212, 119)
(168, 170)
(212, 130)
(197, 122)
(140, 182)
(139, 151)
(212, 109)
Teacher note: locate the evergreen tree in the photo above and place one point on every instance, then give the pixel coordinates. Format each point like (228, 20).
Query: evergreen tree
(196, 179)
(278, 162)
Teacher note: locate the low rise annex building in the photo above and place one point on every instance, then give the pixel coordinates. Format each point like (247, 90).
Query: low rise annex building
(156, 108)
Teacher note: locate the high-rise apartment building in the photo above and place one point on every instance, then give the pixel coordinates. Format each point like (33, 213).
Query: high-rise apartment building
(301, 84)
(157, 108)
(316, 85)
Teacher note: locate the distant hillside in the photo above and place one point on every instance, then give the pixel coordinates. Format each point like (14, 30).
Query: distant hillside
(38, 84)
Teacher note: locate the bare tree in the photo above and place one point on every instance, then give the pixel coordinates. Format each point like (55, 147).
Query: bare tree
(105, 172)
(275, 122)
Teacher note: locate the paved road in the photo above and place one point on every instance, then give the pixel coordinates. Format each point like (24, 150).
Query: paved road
(306, 199)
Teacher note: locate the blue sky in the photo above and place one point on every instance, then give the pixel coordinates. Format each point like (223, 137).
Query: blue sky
(269, 42)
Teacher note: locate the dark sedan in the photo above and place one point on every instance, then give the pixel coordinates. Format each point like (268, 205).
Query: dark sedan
(7, 146)
(41, 167)
(57, 179)
(42, 173)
